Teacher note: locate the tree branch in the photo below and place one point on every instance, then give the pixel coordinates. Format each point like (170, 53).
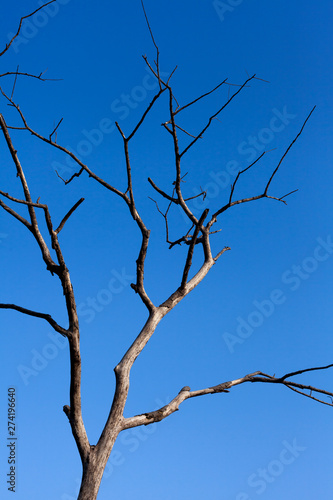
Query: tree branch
(216, 114)
(188, 262)
(140, 263)
(200, 97)
(29, 312)
(33, 227)
(15, 214)
(299, 372)
(151, 104)
(287, 151)
(177, 154)
(72, 333)
(54, 131)
(20, 26)
(186, 393)
(242, 172)
(156, 47)
(67, 216)
(162, 193)
(264, 194)
(30, 75)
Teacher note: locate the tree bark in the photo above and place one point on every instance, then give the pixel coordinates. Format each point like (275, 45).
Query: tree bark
(94, 464)
(92, 474)
(91, 477)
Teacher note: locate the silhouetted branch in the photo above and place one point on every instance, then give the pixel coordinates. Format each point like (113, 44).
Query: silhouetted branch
(215, 115)
(199, 98)
(180, 128)
(30, 75)
(54, 131)
(29, 312)
(287, 151)
(241, 172)
(156, 47)
(264, 194)
(69, 213)
(156, 96)
(13, 213)
(20, 26)
(14, 84)
(162, 193)
(300, 372)
(188, 262)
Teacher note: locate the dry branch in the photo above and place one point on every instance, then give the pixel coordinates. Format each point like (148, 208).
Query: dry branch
(36, 314)
(216, 114)
(30, 75)
(20, 26)
(67, 216)
(60, 269)
(264, 194)
(186, 393)
(287, 151)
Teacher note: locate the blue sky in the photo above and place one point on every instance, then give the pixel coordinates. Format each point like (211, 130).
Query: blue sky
(274, 286)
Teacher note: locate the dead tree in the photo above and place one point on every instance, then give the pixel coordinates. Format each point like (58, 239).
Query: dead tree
(198, 237)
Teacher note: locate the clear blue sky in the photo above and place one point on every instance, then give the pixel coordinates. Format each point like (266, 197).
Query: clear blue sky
(257, 441)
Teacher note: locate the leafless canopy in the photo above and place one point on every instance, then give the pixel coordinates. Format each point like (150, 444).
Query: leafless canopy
(197, 238)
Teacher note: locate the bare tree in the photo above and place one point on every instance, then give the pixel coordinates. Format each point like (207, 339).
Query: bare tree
(197, 238)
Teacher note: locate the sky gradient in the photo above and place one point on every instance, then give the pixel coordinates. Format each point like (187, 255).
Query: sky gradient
(266, 305)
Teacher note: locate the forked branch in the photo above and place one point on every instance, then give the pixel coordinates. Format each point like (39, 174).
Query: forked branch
(60, 269)
(190, 252)
(186, 393)
(216, 114)
(264, 194)
(30, 75)
(287, 151)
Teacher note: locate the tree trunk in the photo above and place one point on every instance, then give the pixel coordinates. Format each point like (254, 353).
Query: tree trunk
(92, 475)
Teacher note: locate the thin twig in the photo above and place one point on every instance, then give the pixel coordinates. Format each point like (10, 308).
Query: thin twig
(36, 314)
(216, 114)
(190, 252)
(288, 149)
(69, 213)
(200, 97)
(157, 49)
(30, 75)
(20, 26)
(15, 79)
(225, 387)
(54, 131)
(264, 194)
